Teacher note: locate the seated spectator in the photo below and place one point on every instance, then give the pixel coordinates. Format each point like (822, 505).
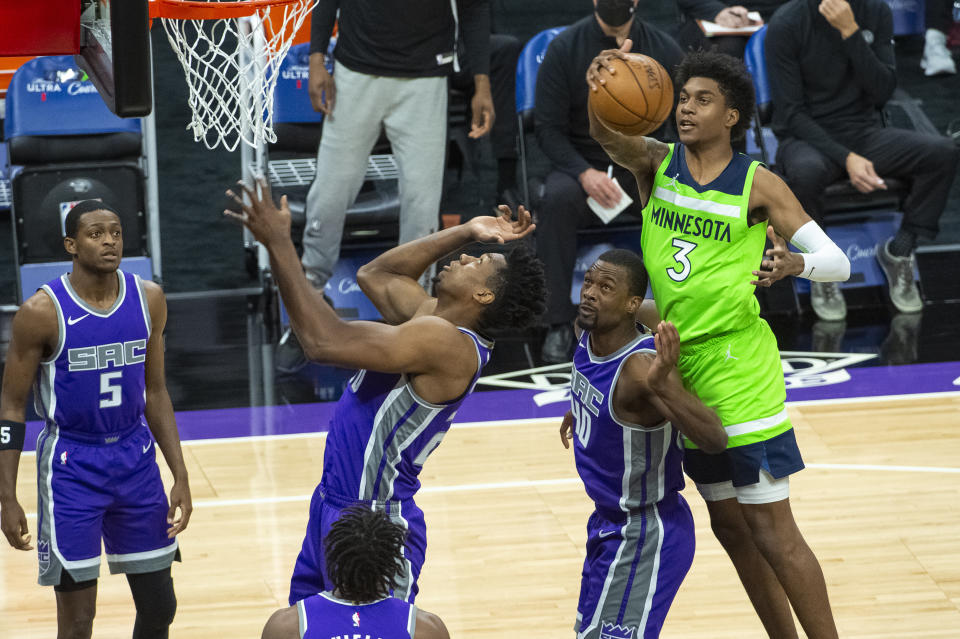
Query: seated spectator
(937, 59)
(390, 75)
(579, 163)
(831, 69)
(691, 37)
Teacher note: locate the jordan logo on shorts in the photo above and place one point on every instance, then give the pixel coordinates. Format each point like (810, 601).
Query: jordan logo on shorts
(729, 356)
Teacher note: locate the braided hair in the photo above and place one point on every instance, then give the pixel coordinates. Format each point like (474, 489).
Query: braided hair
(364, 553)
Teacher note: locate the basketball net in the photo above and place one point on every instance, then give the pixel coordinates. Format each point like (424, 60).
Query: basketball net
(231, 66)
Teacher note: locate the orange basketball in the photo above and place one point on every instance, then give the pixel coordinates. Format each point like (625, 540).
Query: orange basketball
(637, 98)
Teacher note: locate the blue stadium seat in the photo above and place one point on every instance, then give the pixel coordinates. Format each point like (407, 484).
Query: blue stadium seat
(64, 146)
(528, 64)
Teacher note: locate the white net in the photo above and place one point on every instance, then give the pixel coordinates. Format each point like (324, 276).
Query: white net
(231, 66)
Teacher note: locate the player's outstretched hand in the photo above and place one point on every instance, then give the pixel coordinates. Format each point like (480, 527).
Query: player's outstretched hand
(502, 228)
(13, 522)
(566, 429)
(268, 223)
(602, 64)
(778, 262)
(667, 342)
(179, 499)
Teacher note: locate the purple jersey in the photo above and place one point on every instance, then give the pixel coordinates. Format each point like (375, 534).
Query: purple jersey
(623, 466)
(93, 384)
(382, 432)
(323, 616)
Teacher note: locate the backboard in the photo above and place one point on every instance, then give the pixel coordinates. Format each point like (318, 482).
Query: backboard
(115, 53)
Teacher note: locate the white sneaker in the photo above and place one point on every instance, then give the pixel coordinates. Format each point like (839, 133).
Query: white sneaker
(936, 58)
(827, 301)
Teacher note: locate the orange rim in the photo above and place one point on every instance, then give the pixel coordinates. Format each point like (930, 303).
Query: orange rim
(198, 10)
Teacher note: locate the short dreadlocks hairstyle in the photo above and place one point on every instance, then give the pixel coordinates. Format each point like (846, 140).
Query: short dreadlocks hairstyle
(72, 220)
(520, 293)
(364, 554)
(632, 264)
(730, 74)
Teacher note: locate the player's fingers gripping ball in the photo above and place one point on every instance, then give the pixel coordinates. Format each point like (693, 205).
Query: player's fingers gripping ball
(636, 98)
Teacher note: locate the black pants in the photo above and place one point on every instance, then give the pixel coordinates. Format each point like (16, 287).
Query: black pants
(504, 51)
(927, 162)
(562, 211)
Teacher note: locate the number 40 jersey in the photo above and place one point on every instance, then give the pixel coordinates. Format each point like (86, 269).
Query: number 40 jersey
(93, 383)
(624, 466)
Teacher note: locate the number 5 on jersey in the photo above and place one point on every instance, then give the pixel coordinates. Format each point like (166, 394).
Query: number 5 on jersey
(681, 271)
(113, 391)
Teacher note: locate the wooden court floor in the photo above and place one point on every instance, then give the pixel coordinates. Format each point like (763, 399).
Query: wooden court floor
(879, 503)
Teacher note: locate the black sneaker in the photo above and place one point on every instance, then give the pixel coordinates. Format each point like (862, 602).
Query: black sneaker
(289, 357)
(557, 344)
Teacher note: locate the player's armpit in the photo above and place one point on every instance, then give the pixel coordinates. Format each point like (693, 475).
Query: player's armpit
(772, 199)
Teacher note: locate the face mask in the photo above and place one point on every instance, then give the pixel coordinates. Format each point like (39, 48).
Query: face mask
(615, 12)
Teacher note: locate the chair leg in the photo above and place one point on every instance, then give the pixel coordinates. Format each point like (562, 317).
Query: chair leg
(523, 161)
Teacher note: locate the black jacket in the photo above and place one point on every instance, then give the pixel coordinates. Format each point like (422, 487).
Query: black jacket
(822, 85)
(560, 114)
(403, 38)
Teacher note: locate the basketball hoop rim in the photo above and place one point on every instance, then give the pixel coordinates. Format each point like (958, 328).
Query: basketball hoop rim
(199, 10)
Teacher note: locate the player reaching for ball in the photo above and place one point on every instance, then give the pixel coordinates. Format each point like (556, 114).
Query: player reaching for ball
(579, 167)
(707, 213)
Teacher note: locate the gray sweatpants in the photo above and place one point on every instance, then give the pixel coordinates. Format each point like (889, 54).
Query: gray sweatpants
(413, 111)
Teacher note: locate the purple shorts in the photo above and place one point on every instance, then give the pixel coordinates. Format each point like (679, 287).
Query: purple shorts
(633, 570)
(310, 572)
(107, 488)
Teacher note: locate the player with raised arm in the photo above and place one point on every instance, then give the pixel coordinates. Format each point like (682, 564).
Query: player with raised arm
(415, 369)
(91, 344)
(707, 214)
(364, 554)
(628, 408)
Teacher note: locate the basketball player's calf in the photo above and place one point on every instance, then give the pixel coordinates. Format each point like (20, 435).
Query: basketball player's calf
(153, 597)
(759, 581)
(155, 602)
(778, 538)
(76, 607)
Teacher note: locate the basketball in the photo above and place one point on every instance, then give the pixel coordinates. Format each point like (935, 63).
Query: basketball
(637, 98)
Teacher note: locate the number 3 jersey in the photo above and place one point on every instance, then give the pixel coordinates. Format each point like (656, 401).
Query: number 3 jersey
(699, 247)
(623, 466)
(93, 383)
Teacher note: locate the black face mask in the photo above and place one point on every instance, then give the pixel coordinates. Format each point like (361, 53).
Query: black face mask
(615, 12)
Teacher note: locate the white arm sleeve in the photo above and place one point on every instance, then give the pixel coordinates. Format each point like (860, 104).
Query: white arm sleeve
(823, 261)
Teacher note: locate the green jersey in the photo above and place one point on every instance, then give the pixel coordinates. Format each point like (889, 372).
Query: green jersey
(700, 249)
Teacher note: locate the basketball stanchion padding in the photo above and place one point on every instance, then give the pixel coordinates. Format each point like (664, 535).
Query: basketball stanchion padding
(231, 69)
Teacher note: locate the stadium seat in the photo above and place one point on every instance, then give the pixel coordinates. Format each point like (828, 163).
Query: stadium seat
(65, 146)
(528, 64)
